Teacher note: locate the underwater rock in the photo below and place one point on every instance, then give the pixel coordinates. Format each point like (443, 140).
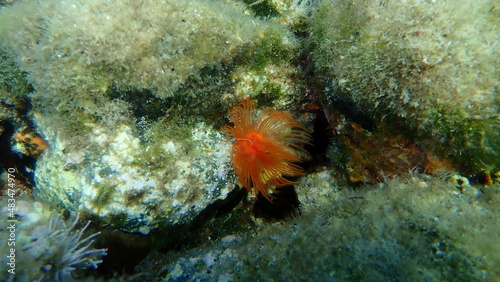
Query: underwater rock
(426, 68)
(137, 185)
(13, 89)
(409, 228)
(86, 46)
(128, 97)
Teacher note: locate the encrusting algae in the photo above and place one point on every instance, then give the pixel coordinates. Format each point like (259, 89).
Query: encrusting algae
(266, 148)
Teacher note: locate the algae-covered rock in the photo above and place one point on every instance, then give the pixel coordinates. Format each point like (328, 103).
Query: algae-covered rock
(88, 45)
(13, 87)
(409, 228)
(430, 67)
(80, 54)
(136, 185)
(128, 96)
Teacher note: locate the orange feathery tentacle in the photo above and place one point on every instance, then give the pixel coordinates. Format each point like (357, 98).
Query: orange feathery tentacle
(266, 147)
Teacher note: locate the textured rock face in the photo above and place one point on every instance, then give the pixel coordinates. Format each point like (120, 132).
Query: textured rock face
(156, 45)
(429, 66)
(397, 230)
(136, 186)
(123, 92)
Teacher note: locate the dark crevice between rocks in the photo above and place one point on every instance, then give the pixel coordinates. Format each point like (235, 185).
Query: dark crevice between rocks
(218, 208)
(23, 165)
(318, 146)
(222, 217)
(285, 205)
(126, 250)
(350, 111)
